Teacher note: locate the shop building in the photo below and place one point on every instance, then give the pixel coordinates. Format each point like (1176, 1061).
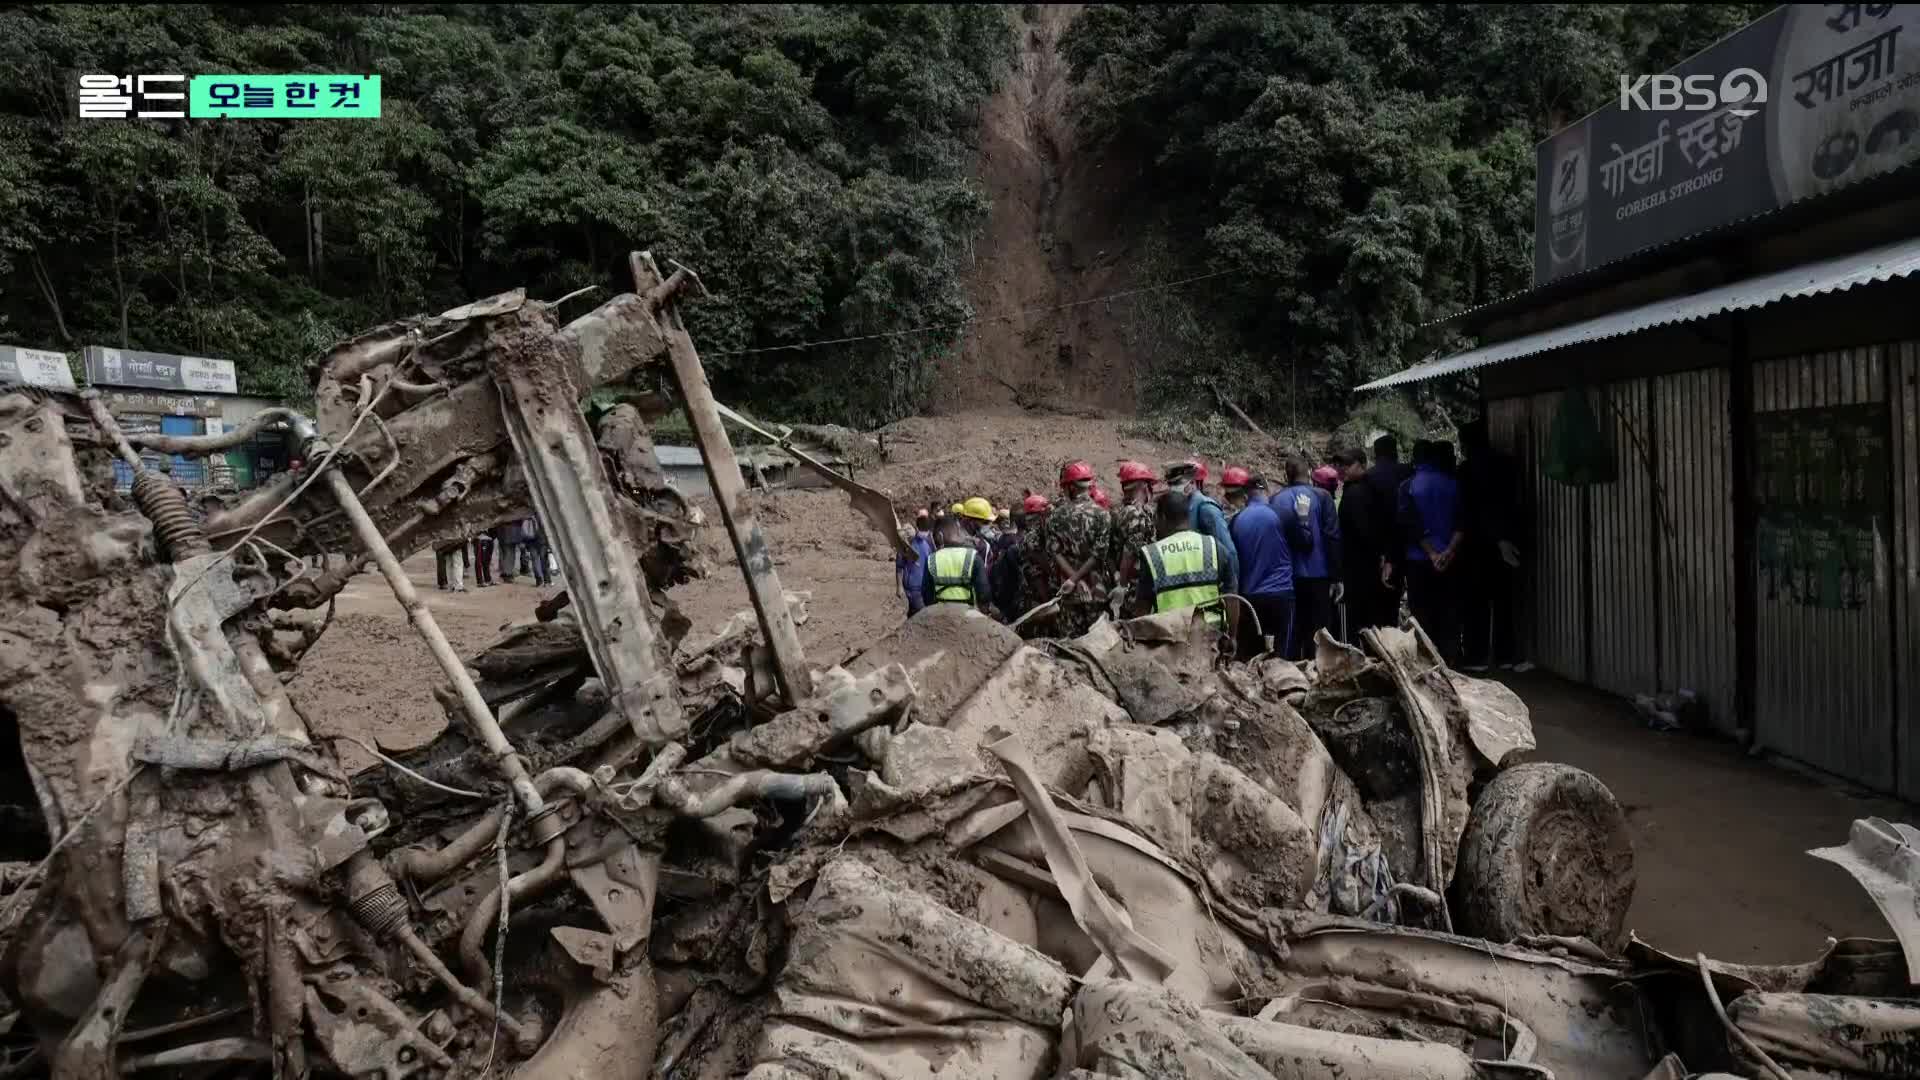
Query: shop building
(1736, 290)
(186, 395)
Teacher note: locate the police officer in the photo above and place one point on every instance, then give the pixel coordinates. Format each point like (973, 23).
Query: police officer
(1184, 569)
(956, 574)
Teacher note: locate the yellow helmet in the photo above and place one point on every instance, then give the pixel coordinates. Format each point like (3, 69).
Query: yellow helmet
(977, 508)
(957, 510)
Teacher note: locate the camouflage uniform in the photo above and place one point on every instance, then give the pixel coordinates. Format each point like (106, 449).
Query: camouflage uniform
(1132, 530)
(1036, 572)
(1076, 531)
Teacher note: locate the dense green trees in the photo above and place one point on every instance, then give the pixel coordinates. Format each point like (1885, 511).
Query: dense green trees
(810, 161)
(1367, 167)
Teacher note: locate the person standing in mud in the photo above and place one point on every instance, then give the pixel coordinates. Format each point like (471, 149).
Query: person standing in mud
(912, 573)
(507, 543)
(1433, 520)
(1036, 573)
(1184, 569)
(1133, 522)
(956, 574)
(1079, 551)
(483, 559)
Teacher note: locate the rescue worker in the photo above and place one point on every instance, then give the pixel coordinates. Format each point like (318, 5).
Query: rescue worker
(1007, 576)
(1385, 479)
(1133, 522)
(1079, 550)
(912, 573)
(1490, 493)
(1100, 498)
(976, 516)
(1363, 549)
(1433, 522)
(1327, 479)
(1184, 569)
(1036, 568)
(956, 574)
(1316, 566)
(1189, 478)
(1266, 540)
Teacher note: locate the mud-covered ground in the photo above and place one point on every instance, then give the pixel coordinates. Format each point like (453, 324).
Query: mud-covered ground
(1720, 838)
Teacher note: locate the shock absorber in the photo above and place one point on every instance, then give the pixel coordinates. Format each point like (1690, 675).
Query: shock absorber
(165, 505)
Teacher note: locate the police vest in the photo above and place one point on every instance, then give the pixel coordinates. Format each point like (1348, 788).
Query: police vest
(952, 573)
(1186, 573)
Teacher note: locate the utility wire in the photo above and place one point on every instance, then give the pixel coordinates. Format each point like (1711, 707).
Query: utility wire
(1163, 286)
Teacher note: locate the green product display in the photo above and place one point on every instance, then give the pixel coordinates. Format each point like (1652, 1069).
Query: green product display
(1578, 455)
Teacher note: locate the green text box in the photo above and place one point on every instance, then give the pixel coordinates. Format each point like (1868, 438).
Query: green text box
(284, 97)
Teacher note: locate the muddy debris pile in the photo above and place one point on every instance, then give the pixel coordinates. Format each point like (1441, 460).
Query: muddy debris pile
(642, 851)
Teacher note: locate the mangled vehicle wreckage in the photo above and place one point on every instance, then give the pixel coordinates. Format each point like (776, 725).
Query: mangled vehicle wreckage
(640, 852)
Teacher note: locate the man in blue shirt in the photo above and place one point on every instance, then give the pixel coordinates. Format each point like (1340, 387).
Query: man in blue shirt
(1316, 567)
(1433, 522)
(912, 574)
(1204, 515)
(1265, 540)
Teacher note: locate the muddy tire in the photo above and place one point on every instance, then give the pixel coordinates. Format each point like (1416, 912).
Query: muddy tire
(1546, 851)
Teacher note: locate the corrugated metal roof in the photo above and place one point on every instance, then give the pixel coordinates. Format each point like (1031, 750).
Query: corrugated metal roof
(1883, 263)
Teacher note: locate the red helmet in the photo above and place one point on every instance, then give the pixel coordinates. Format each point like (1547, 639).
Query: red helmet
(1100, 498)
(1035, 504)
(1234, 477)
(1199, 473)
(1326, 476)
(1133, 471)
(1074, 472)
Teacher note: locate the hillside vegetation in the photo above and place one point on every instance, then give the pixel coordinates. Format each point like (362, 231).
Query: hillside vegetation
(1361, 169)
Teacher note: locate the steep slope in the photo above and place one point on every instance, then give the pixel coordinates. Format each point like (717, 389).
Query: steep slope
(1055, 239)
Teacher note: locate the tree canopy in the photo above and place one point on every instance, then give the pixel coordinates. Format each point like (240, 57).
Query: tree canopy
(1366, 168)
(812, 162)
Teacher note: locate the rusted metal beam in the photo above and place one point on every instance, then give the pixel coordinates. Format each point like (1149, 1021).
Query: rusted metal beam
(541, 387)
(723, 473)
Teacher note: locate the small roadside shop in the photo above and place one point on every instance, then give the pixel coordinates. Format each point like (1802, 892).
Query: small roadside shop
(1737, 298)
(186, 395)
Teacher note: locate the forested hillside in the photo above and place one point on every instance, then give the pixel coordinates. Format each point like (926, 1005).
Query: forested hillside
(810, 161)
(1360, 170)
(1365, 168)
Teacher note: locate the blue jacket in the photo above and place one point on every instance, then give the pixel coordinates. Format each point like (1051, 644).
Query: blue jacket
(1322, 560)
(913, 575)
(1266, 540)
(1205, 517)
(1430, 510)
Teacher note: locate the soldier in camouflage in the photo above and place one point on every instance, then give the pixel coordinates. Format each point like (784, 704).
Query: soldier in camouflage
(1080, 541)
(1133, 522)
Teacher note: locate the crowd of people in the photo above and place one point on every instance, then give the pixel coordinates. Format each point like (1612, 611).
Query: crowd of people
(1336, 547)
(520, 547)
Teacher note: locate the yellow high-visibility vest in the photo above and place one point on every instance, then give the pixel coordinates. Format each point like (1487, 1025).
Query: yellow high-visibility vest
(1186, 573)
(952, 572)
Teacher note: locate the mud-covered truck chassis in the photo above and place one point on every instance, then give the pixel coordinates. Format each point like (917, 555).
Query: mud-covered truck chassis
(640, 852)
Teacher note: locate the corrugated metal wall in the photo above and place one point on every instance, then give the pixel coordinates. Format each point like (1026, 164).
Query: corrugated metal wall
(1620, 540)
(1510, 428)
(1824, 685)
(1560, 556)
(1906, 592)
(1693, 455)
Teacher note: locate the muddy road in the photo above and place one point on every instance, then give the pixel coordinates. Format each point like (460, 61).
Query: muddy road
(1719, 838)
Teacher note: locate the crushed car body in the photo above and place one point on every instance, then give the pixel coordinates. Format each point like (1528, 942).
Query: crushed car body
(640, 852)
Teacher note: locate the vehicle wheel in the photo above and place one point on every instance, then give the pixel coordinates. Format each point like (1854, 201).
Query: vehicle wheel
(1546, 851)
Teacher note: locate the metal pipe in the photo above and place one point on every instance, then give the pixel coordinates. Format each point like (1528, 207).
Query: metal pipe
(674, 794)
(528, 1039)
(424, 866)
(473, 936)
(478, 714)
(208, 444)
(723, 474)
(211, 1052)
(109, 427)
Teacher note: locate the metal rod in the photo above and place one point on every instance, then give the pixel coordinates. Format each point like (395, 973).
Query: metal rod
(423, 621)
(723, 473)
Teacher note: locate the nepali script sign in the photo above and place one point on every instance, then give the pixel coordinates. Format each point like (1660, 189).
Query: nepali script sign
(1838, 101)
(159, 371)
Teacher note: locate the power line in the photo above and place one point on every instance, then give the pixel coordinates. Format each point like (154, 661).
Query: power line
(1163, 286)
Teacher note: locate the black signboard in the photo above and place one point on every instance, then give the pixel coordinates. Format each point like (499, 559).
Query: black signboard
(159, 371)
(1841, 88)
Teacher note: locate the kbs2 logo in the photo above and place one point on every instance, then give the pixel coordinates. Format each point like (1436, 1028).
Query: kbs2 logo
(1738, 91)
